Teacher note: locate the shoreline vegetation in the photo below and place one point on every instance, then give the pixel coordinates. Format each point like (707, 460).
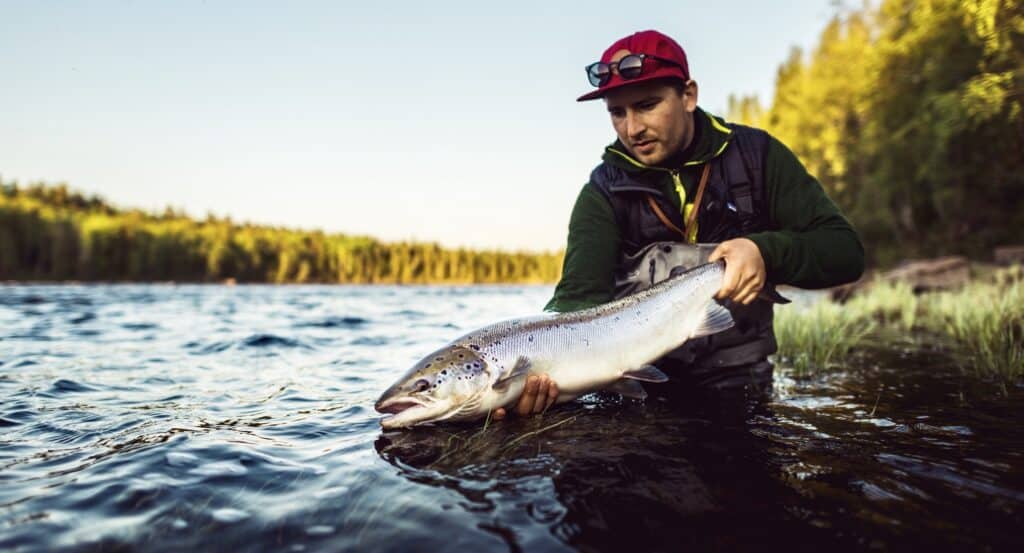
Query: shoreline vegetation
(51, 233)
(980, 324)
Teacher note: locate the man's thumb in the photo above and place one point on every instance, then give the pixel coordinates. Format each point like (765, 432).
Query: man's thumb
(717, 254)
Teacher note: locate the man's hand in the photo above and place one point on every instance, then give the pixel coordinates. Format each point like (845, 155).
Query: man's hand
(744, 270)
(538, 394)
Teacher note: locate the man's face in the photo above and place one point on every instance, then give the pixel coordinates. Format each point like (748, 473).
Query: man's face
(652, 120)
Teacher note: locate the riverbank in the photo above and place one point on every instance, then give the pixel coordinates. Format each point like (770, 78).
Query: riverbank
(974, 312)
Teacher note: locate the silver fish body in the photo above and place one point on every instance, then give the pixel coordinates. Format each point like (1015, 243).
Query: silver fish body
(608, 346)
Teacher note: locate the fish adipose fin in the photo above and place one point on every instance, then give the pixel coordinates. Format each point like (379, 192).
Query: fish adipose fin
(716, 319)
(628, 388)
(647, 373)
(519, 370)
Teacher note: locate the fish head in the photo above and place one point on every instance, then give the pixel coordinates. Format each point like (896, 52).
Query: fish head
(449, 383)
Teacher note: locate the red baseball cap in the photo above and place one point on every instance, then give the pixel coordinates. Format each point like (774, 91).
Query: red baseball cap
(651, 43)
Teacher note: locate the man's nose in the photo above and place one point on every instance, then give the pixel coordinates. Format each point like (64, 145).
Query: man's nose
(634, 125)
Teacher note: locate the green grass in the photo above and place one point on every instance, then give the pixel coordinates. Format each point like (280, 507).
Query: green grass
(985, 321)
(892, 305)
(816, 338)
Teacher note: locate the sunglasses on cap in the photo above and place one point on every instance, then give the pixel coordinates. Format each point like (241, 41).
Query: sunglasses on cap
(629, 67)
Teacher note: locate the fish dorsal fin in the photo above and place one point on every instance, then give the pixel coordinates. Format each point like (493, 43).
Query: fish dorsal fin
(628, 388)
(519, 370)
(716, 319)
(647, 373)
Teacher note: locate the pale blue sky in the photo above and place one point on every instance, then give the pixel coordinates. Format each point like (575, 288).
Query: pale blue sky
(446, 121)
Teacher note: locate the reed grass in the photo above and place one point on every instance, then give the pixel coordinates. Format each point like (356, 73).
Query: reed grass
(891, 304)
(987, 320)
(984, 319)
(815, 338)
(490, 441)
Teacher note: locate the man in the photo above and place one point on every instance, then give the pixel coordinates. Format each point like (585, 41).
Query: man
(679, 174)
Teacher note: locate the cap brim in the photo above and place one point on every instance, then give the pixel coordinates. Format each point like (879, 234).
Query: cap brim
(592, 95)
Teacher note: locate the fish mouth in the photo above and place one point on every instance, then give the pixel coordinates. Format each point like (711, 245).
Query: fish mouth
(403, 412)
(396, 406)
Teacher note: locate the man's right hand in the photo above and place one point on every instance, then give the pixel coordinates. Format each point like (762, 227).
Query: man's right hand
(539, 393)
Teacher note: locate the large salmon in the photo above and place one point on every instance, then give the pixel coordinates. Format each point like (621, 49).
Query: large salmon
(607, 347)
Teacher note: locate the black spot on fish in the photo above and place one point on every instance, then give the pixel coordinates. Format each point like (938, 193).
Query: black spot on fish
(437, 359)
(427, 366)
(461, 356)
(531, 338)
(474, 347)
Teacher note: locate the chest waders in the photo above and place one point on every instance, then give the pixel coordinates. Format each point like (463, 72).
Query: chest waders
(733, 206)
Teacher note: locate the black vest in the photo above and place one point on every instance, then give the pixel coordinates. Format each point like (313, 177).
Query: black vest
(734, 205)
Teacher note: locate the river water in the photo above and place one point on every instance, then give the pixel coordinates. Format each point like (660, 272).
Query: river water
(169, 418)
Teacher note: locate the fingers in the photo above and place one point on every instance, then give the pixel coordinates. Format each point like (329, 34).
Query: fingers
(747, 289)
(498, 414)
(552, 394)
(732, 279)
(730, 283)
(718, 253)
(744, 270)
(749, 292)
(529, 397)
(539, 393)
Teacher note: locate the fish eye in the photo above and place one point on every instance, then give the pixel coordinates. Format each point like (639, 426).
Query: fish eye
(421, 385)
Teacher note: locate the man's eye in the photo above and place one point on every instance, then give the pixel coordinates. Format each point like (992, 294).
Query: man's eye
(647, 106)
(616, 112)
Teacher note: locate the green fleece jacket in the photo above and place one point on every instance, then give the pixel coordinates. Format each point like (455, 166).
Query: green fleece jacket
(810, 244)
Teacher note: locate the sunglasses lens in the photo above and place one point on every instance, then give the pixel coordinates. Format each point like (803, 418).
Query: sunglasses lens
(598, 73)
(630, 67)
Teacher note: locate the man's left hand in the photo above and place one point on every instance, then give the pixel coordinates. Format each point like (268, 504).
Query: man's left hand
(744, 270)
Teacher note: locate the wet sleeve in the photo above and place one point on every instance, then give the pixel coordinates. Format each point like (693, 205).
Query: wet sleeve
(813, 245)
(591, 251)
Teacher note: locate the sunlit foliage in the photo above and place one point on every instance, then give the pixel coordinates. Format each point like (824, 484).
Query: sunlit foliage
(912, 116)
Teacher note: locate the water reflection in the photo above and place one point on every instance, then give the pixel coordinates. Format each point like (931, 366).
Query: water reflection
(620, 473)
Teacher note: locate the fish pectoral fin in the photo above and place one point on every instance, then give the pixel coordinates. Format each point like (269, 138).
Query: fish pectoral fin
(647, 373)
(716, 319)
(628, 388)
(519, 370)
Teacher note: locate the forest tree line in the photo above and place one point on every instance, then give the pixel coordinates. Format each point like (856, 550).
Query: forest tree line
(53, 233)
(911, 114)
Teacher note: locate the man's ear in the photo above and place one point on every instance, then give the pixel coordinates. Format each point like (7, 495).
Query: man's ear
(690, 93)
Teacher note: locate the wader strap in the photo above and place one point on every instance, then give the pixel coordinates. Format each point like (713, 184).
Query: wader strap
(692, 219)
(661, 215)
(693, 213)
